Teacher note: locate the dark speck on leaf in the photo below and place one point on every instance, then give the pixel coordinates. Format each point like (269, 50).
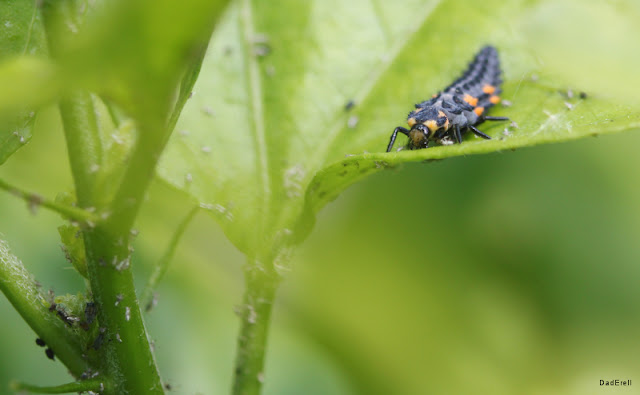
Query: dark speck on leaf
(350, 104)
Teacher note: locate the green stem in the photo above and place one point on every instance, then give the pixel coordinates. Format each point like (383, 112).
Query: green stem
(186, 85)
(23, 293)
(161, 268)
(83, 143)
(261, 284)
(94, 385)
(34, 200)
(126, 350)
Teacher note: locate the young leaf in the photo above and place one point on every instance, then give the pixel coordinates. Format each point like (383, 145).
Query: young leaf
(73, 247)
(271, 134)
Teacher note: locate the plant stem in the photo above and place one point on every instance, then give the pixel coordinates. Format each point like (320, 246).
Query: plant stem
(94, 385)
(34, 200)
(261, 284)
(23, 293)
(161, 268)
(83, 143)
(126, 351)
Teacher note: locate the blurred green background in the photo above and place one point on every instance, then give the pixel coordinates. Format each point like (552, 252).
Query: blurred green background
(509, 273)
(506, 273)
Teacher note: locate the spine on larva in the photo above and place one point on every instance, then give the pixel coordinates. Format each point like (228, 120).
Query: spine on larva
(484, 70)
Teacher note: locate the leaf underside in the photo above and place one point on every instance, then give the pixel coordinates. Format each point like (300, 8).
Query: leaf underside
(266, 138)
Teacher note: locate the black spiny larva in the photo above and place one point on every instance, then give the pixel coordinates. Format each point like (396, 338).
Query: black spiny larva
(459, 107)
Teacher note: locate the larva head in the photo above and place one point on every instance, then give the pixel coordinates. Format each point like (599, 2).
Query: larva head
(419, 136)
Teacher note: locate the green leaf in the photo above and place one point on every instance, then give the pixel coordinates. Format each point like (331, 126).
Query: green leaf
(136, 51)
(73, 247)
(20, 34)
(14, 133)
(20, 29)
(266, 141)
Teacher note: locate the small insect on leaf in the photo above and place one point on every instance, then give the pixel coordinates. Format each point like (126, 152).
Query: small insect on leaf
(457, 109)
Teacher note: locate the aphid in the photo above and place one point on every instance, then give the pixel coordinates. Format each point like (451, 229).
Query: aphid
(85, 375)
(458, 108)
(50, 354)
(90, 312)
(67, 319)
(40, 342)
(97, 343)
(350, 104)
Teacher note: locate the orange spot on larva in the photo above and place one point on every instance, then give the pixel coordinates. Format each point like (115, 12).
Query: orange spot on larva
(411, 121)
(494, 99)
(431, 124)
(470, 99)
(478, 110)
(488, 89)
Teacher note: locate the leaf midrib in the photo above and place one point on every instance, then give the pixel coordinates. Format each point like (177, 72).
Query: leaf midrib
(254, 92)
